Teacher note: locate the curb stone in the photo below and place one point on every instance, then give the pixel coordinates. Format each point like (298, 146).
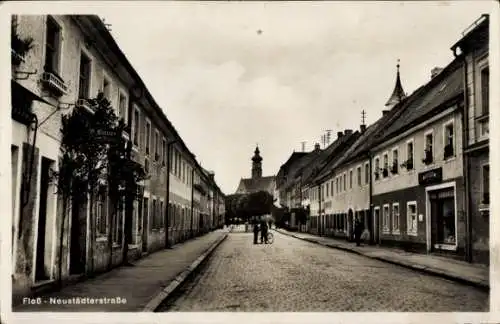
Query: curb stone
(156, 301)
(425, 269)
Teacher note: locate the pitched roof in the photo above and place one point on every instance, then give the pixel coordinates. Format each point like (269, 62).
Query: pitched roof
(257, 184)
(313, 169)
(297, 166)
(432, 98)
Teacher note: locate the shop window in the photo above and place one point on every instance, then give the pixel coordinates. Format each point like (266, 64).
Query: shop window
(443, 231)
(485, 184)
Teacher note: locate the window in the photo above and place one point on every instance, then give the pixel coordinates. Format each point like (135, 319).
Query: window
(386, 219)
(337, 184)
(377, 168)
(350, 179)
(84, 85)
(409, 156)
(331, 188)
(154, 216)
(123, 106)
(486, 184)
(411, 217)
(327, 190)
(395, 218)
(146, 165)
(449, 145)
(359, 175)
(485, 91)
(394, 168)
(52, 46)
(147, 138)
(367, 173)
(117, 223)
(345, 183)
(135, 220)
(101, 220)
(161, 223)
(164, 151)
(428, 153)
(106, 88)
(136, 127)
(385, 172)
(157, 146)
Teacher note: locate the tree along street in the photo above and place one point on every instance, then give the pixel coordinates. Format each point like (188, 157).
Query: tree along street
(293, 275)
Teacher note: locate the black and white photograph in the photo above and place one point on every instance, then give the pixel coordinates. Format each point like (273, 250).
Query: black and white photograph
(287, 157)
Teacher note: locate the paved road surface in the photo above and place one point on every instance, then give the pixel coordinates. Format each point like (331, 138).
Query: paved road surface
(293, 275)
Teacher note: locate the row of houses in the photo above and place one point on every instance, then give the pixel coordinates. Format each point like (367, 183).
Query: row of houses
(418, 177)
(58, 63)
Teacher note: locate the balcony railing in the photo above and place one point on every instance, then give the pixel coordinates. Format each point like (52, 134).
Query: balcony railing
(54, 83)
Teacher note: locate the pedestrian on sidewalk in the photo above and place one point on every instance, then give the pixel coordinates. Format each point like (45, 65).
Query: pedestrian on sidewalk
(358, 230)
(255, 232)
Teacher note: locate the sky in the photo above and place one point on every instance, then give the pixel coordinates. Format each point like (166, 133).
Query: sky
(229, 75)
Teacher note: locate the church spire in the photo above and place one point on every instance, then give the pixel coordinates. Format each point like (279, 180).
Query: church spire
(256, 164)
(398, 94)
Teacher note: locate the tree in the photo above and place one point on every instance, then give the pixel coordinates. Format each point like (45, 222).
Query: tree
(94, 152)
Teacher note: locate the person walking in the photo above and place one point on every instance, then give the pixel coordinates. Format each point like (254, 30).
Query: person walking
(358, 229)
(263, 232)
(255, 232)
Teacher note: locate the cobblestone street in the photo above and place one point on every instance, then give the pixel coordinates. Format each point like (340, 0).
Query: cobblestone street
(293, 275)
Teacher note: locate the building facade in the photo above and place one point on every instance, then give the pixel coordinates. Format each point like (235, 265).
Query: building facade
(71, 60)
(473, 51)
(418, 185)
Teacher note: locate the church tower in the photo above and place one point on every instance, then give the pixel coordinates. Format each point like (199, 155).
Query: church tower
(398, 94)
(256, 164)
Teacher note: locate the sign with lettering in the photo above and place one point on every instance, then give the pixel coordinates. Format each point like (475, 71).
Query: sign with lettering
(107, 136)
(431, 176)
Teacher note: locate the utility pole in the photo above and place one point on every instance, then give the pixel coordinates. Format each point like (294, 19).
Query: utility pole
(328, 136)
(363, 117)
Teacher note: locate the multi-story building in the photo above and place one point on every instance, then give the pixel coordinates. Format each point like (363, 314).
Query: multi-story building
(350, 176)
(473, 51)
(72, 59)
(315, 176)
(418, 176)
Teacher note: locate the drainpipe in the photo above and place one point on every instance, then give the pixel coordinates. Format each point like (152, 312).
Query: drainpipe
(466, 166)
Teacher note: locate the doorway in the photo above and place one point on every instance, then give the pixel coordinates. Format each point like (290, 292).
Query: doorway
(144, 224)
(42, 269)
(443, 219)
(78, 239)
(376, 226)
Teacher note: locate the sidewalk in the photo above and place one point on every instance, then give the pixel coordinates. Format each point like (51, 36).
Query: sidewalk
(476, 275)
(138, 284)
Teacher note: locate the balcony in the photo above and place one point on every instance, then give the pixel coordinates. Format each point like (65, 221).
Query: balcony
(54, 83)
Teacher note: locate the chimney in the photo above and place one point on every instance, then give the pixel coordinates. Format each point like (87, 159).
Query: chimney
(435, 71)
(348, 132)
(385, 112)
(362, 128)
(317, 147)
(339, 134)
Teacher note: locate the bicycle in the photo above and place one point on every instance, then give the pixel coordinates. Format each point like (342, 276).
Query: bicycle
(270, 237)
